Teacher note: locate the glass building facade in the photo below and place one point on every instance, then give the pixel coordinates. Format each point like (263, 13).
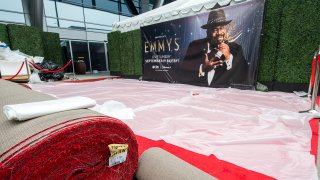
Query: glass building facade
(89, 15)
(82, 25)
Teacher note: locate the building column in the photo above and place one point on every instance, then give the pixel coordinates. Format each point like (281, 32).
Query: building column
(34, 9)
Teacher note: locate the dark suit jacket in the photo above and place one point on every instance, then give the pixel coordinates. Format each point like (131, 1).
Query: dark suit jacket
(189, 67)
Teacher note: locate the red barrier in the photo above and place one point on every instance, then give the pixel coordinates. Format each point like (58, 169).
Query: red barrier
(16, 73)
(50, 71)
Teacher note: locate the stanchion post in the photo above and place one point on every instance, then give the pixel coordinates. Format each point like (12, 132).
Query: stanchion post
(311, 77)
(27, 66)
(74, 74)
(315, 86)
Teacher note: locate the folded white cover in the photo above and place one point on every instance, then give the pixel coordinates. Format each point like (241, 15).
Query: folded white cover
(27, 111)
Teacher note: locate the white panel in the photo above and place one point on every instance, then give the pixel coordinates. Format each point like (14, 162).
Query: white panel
(49, 8)
(12, 5)
(100, 17)
(95, 36)
(68, 11)
(11, 17)
(68, 33)
(183, 8)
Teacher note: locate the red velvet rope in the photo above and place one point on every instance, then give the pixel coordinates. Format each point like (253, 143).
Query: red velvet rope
(49, 71)
(16, 73)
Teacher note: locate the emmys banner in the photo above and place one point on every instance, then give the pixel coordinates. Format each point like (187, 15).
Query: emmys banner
(219, 48)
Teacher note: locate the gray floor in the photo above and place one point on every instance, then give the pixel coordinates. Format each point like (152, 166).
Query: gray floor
(72, 76)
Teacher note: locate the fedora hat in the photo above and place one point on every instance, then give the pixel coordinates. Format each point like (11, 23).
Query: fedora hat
(216, 18)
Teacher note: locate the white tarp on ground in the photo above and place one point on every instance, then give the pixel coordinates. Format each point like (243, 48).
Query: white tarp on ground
(175, 10)
(259, 131)
(11, 61)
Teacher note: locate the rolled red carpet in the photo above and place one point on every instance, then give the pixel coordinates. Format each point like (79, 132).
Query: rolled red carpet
(76, 148)
(65, 145)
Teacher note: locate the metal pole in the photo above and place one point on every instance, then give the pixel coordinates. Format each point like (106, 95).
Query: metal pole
(106, 54)
(26, 62)
(310, 85)
(315, 88)
(89, 57)
(71, 53)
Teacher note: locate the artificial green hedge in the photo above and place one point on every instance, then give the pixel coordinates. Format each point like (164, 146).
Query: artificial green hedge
(269, 44)
(298, 41)
(51, 47)
(125, 53)
(4, 34)
(26, 39)
(137, 53)
(127, 63)
(290, 39)
(114, 42)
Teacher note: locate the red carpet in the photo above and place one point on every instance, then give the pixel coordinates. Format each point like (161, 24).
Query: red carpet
(77, 150)
(315, 136)
(213, 166)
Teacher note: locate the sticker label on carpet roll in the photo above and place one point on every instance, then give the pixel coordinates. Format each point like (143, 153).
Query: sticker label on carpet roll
(118, 154)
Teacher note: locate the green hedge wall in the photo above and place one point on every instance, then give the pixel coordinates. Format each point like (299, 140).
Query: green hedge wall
(51, 47)
(114, 50)
(298, 41)
(269, 44)
(4, 34)
(137, 52)
(127, 59)
(125, 53)
(26, 39)
(290, 40)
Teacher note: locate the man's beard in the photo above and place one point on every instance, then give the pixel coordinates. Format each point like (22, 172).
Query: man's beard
(214, 42)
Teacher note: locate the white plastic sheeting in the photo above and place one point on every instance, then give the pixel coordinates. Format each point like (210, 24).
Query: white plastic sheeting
(115, 109)
(6, 54)
(174, 10)
(259, 131)
(11, 61)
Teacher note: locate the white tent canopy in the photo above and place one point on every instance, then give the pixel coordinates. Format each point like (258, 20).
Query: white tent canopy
(175, 10)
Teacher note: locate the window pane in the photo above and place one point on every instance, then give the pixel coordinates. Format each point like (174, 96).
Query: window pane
(66, 55)
(87, 3)
(80, 52)
(107, 5)
(100, 17)
(12, 5)
(98, 57)
(49, 8)
(52, 22)
(98, 28)
(79, 2)
(125, 10)
(71, 12)
(12, 17)
(71, 24)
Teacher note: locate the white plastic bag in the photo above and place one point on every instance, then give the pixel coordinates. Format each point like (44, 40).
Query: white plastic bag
(34, 77)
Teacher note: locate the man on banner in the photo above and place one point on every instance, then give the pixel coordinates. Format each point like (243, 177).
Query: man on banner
(213, 61)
